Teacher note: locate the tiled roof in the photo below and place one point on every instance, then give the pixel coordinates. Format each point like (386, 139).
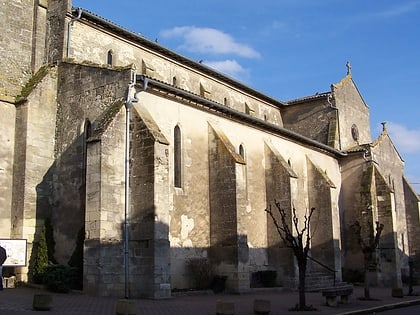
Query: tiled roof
(309, 98)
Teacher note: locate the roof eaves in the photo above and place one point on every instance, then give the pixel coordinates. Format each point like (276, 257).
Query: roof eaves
(309, 98)
(137, 37)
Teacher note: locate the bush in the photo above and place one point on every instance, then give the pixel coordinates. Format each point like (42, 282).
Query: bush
(201, 271)
(264, 279)
(59, 278)
(41, 257)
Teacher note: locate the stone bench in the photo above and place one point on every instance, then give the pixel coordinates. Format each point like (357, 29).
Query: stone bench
(331, 294)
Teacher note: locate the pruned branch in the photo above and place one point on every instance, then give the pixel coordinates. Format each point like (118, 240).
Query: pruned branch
(286, 232)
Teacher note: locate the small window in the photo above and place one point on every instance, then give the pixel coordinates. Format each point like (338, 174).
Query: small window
(177, 158)
(174, 81)
(225, 102)
(109, 58)
(355, 132)
(242, 151)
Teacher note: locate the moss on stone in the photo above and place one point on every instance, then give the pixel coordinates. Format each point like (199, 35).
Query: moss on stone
(31, 84)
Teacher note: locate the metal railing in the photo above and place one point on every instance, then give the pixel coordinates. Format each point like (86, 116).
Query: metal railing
(325, 267)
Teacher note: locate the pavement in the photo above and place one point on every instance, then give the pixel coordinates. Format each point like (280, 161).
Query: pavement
(15, 301)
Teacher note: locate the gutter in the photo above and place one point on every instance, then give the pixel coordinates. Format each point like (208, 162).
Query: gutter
(237, 115)
(69, 26)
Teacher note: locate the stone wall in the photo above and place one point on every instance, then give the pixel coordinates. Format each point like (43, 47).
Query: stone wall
(34, 157)
(85, 94)
(280, 179)
(317, 113)
(7, 138)
(16, 23)
(91, 45)
(352, 111)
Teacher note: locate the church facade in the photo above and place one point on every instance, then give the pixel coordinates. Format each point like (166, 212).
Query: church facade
(159, 160)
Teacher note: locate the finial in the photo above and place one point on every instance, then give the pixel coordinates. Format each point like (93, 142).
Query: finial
(348, 65)
(383, 125)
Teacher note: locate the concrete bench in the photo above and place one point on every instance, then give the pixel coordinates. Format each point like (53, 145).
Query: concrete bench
(331, 294)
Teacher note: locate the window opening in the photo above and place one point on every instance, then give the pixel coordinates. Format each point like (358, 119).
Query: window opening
(177, 157)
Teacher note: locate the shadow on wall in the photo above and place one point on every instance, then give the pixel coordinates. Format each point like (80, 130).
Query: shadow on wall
(60, 202)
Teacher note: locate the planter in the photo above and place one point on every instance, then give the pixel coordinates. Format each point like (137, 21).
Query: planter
(125, 307)
(42, 302)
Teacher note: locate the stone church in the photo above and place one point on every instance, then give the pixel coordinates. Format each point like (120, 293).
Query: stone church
(160, 160)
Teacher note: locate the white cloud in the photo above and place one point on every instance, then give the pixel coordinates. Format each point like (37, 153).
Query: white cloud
(209, 40)
(406, 140)
(399, 10)
(229, 67)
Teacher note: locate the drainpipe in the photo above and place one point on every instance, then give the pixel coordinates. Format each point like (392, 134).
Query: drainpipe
(69, 26)
(128, 105)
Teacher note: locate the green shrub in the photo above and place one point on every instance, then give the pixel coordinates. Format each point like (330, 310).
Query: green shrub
(41, 258)
(58, 278)
(201, 271)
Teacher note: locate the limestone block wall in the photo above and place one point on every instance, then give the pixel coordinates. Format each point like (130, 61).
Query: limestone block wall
(190, 214)
(352, 111)
(34, 157)
(7, 138)
(280, 182)
(104, 245)
(391, 167)
(316, 113)
(149, 212)
(324, 242)
(16, 23)
(412, 205)
(85, 94)
(92, 45)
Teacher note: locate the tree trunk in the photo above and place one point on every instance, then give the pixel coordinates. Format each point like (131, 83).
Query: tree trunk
(302, 277)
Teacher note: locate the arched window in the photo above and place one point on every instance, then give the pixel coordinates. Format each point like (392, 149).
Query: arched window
(244, 168)
(174, 81)
(177, 157)
(242, 151)
(109, 58)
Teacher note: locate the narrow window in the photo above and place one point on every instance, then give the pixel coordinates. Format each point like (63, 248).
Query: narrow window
(244, 167)
(174, 81)
(241, 151)
(109, 58)
(177, 157)
(225, 101)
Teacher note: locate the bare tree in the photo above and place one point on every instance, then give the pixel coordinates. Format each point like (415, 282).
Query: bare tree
(368, 247)
(296, 239)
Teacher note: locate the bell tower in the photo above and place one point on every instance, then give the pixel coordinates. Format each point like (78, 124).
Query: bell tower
(32, 35)
(56, 21)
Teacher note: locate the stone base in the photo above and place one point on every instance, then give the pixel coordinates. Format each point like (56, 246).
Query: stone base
(42, 302)
(262, 307)
(397, 292)
(225, 308)
(125, 307)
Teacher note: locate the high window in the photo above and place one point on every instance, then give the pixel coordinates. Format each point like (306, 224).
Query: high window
(109, 58)
(177, 157)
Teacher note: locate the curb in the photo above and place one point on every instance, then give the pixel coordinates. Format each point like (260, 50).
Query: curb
(383, 308)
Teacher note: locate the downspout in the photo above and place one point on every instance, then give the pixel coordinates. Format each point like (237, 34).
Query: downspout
(128, 105)
(69, 26)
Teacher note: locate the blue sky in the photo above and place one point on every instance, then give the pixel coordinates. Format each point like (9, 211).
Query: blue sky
(293, 48)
